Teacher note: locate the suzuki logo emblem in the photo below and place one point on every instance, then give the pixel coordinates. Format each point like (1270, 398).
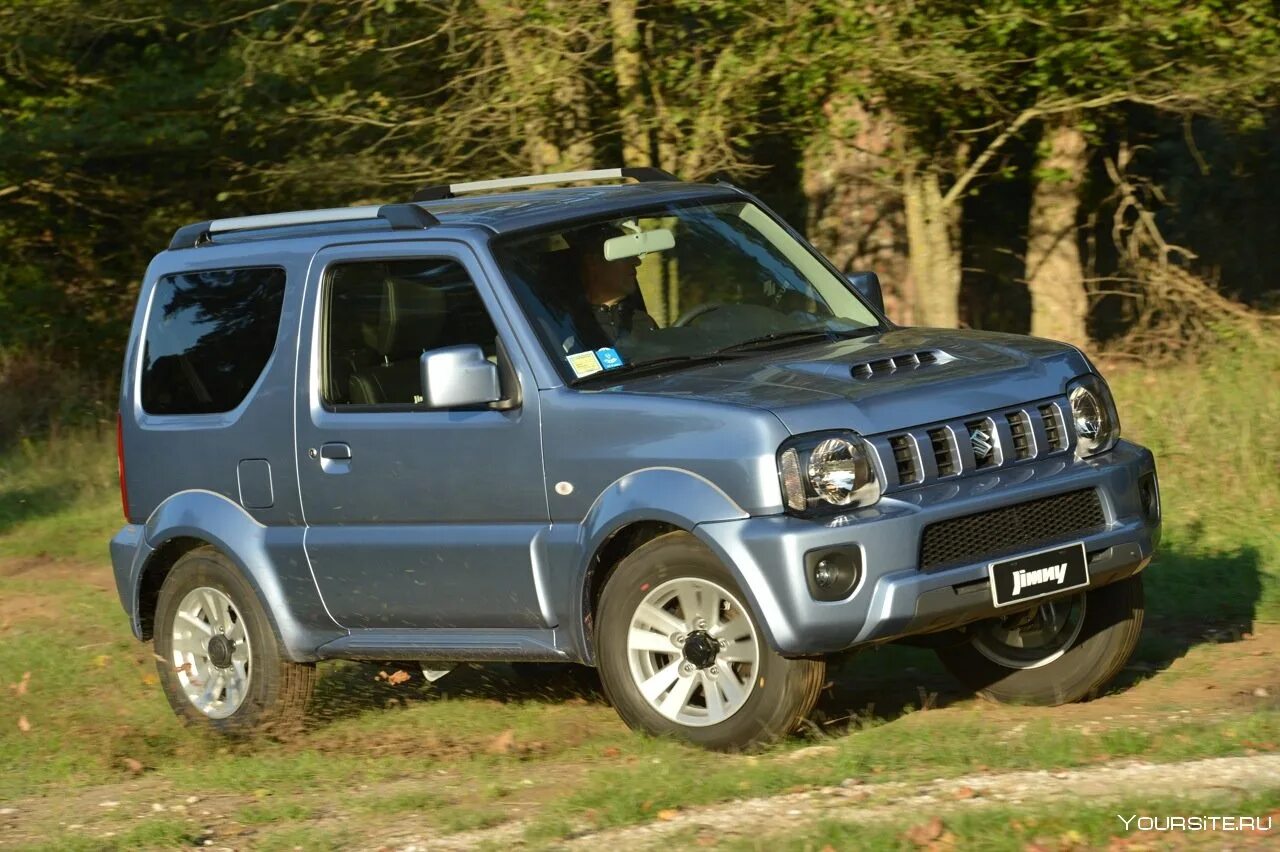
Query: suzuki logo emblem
(981, 441)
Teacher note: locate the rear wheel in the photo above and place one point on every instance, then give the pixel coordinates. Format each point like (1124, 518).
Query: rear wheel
(681, 653)
(1059, 652)
(218, 659)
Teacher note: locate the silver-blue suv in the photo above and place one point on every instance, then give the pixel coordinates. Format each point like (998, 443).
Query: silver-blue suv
(640, 426)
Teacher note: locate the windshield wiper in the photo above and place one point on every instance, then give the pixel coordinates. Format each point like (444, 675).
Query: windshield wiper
(655, 364)
(764, 341)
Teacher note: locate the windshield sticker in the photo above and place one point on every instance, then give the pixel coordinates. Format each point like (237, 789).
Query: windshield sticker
(584, 364)
(609, 358)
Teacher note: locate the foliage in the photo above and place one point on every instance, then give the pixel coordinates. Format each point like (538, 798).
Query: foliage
(121, 119)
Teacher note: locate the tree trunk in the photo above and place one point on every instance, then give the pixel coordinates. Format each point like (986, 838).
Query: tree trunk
(855, 214)
(933, 234)
(1055, 276)
(627, 69)
(548, 85)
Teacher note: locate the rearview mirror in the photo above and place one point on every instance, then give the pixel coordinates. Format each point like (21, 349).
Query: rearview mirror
(868, 286)
(458, 376)
(641, 242)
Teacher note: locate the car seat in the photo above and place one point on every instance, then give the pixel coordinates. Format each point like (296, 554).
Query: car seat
(408, 321)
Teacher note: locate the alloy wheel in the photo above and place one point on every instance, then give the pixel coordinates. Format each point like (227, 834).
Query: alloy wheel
(1032, 639)
(211, 652)
(694, 653)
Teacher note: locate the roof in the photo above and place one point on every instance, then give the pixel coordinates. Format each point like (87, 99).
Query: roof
(503, 213)
(531, 209)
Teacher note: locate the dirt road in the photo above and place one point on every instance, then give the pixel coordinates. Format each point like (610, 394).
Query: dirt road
(856, 802)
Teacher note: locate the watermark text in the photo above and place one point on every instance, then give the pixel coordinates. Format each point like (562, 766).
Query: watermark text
(1135, 822)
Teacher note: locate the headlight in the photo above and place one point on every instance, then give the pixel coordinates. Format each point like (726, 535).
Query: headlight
(1093, 414)
(826, 471)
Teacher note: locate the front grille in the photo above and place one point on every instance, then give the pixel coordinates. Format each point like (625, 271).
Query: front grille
(1020, 430)
(944, 453)
(1023, 526)
(983, 438)
(1052, 420)
(905, 459)
(973, 444)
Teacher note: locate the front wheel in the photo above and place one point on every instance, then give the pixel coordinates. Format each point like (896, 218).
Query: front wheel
(681, 653)
(218, 659)
(1057, 653)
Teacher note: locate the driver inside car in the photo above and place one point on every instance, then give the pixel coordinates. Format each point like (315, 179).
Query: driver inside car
(608, 306)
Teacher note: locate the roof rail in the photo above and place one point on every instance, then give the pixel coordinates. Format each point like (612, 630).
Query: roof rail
(399, 216)
(643, 174)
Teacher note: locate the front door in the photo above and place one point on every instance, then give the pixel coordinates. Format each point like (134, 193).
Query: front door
(415, 518)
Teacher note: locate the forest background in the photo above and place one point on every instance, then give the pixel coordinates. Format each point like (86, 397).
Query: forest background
(1103, 173)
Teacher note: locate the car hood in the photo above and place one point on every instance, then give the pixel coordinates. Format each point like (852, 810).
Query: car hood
(814, 387)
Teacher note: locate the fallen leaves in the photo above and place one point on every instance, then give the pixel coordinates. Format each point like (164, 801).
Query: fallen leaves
(20, 688)
(395, 678)
(811, 751)
(931, 836)
(503, 743)
(925, 833)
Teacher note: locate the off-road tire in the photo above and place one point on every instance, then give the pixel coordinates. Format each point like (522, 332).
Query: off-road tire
(784, 692)
(279, 689)
(1109, 633)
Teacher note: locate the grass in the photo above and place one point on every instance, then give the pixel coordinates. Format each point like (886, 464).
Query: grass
(1061, 827)
(60, 497)
(92, 704)
(155, 833)
(1215, 430)
(666, 776)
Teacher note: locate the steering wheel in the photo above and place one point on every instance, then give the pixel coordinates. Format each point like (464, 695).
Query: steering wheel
(692, 314)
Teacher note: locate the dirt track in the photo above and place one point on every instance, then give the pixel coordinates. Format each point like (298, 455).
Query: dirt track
(866, 803)
(1221, 674)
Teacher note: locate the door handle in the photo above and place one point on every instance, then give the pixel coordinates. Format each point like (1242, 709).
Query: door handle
(336, 451)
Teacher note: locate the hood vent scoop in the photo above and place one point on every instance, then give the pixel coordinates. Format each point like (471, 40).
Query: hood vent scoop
(904, 361)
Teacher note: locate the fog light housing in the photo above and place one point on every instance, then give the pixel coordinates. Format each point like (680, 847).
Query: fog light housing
(832, 573)
(1149, 494)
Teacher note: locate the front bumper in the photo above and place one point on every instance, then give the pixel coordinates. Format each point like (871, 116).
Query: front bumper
(895, 598)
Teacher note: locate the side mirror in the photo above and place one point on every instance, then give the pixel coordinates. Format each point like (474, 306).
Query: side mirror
(458, 376)
(868, 285)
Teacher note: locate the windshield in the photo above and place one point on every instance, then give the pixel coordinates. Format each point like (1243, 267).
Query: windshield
(677, 284)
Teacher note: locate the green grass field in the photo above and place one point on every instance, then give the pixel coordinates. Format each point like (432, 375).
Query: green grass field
(96, 723)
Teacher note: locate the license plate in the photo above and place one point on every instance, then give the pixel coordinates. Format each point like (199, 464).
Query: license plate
(1034, 575)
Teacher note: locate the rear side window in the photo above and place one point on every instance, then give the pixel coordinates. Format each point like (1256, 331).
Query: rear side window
(208, 336)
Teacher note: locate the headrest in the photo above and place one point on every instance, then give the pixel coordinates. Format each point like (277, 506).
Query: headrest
(409, 319)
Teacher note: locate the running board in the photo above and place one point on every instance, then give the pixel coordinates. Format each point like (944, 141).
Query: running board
(461, 645)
